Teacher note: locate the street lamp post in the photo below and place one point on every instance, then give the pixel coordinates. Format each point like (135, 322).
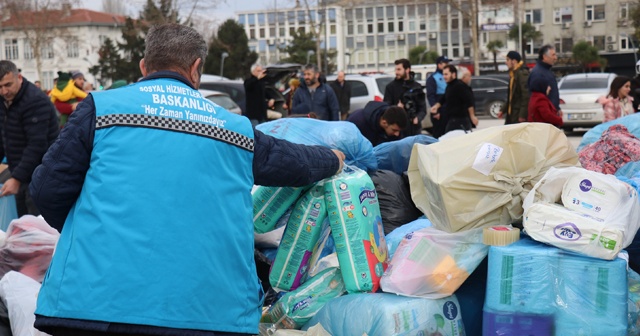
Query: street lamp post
(309, 53)
(422, 54)
(223, 56)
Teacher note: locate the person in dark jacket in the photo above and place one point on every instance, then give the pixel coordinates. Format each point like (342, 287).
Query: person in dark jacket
(515, 110)
(459, 100)
(379, 122)
(152, 194)
(342, 89)
(255, 96)
(315, 97)
(29, 126)
(405, 92)
(541, 109)
(542, 76)
(436, 85)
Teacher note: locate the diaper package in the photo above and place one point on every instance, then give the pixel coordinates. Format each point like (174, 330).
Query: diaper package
(433, 264)
(596, 194)
(300, 237)
(269, 204)
(390, 315)
(324, 247)
(356, 227)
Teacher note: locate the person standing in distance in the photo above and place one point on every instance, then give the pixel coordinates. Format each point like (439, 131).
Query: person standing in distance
(255, 96)
(396, 94)
(436, 86)
(541, 76)
(162, 245)
(342, 89)
(315, 97)
(29, 125)
(459, 100)
(515, 110)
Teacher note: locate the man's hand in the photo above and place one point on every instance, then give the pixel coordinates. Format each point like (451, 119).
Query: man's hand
(400, 104)
(10, 187)
(474, 120)
(522, 120)
(341, 157)
(415, 120)
(434, 108)
(436, 116)
(262, 74)
(271, 103)
(500, 115)
(74, 106)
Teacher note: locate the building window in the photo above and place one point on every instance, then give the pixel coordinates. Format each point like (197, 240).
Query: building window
(391, 26)
(380, 12)
(271, 17)
(348, 13)
(301, 30)
(533, 16)
(598, 42)
(252, 34)
(281, 17)
(400, 26)
(350, 28)
(454, 23)
(47, 79)
(563, 15)
(594, 12)
(380, 27)
(360, 29)
(73, 49)
(261, 19)
(624, 11)
(443, 20)
(433, 23)
(624, 43)
(301, 17)
(262, 33)
(359, 14)
(390, 14)
(272, 32)
(11, 49)
(292, 31)
(412, 26)
(567, 44)
(370, 28)
(46, 51)
(332, 29)
(370, 42)
(332, 15)
(28, 50)
(411, 11)
(291, 17)
(252, 19)
(281, 31)
(242, 19)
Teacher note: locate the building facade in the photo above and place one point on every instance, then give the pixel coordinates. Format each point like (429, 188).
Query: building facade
(71, 44)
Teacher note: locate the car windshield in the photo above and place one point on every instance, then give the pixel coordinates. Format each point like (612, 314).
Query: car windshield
(383, 82)
(584, 83)
(223, 101)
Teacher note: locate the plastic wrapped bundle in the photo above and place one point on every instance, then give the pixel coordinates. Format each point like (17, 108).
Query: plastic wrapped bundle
(270, 204)
(631, 122)
(614, 149)
(28, 247)
(341, 135)
(395, 155)
(19, 293)
(389, 315)
(396, 236)
(396, 206)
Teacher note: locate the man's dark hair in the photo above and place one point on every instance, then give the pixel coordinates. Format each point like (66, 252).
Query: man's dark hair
(7, 67)
(452, 69)
(311, 67)
(544, 50)
(173, 46)
(405, 63)
(395, 115)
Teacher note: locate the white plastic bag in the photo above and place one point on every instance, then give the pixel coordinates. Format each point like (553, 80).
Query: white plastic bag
(19, 293)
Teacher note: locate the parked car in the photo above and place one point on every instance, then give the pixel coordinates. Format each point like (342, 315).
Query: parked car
(221, 99)
(365, 88)
(578, 98)
(490, 93)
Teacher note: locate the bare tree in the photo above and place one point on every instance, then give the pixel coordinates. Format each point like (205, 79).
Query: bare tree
(40, 22)
(317, 26)
(117, 7)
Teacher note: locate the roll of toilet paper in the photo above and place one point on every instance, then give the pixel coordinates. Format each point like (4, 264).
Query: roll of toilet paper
(594, 193)
(574, 231)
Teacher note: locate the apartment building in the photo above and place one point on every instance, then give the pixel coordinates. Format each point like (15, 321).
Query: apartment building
(71, 44)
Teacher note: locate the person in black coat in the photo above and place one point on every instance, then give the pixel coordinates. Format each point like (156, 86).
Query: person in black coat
(405, 92)
(380, 122)
(29, 125)
(256, 97)
(342, 90)
(459, 99)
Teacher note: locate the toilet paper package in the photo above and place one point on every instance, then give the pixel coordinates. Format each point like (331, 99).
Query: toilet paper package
(269, 204)
(433, 264)
(390, 315)
(562, 292)
(356, 227)
(573, 231)
(303, 229)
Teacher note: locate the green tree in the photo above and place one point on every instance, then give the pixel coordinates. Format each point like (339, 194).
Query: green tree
(493, 47)
(232, 39)
(109, 65)
(529, 32)
(297, 50)
(420, 55)
(584, 54)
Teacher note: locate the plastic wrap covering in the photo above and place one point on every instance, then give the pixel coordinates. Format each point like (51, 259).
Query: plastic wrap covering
(28, 247)
(324, 247)
(539, 290)
(613, 150)
(631, 122)
(395, 237)
(19, 293)
(341, 135)
(396, 206)
(390, 315)
(480, 179)
(356, 227)
(296, 308)
(634, 304)
(8, 211)
(629, 169)
(272, 238)
(433, 264)
(395, 155)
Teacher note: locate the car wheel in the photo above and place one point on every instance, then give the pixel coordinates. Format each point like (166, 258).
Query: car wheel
(494, 108)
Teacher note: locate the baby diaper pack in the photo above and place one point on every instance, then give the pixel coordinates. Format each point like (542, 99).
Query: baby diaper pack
(269, 204)
(356, 227)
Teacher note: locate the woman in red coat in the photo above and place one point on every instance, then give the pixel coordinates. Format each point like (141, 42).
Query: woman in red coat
(540, 107)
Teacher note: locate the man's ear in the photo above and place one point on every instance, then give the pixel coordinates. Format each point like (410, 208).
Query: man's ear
(143, 70)
(194, 72)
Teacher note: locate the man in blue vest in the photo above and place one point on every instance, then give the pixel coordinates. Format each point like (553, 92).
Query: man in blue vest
(436, 86)
(150, 186)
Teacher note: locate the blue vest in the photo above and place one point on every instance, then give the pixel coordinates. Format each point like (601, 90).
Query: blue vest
(162, 231)
(440, 82)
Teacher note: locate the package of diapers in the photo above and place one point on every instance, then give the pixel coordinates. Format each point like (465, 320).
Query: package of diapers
(356, 227)
(324, 247)
(433, 264)
(299, 238)
(297, 307)
(389, 315)
(269, 204)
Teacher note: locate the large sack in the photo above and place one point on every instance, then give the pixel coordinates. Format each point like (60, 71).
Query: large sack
(614, 149)
(342, 135)
(19, 293)
(356, 227)
(396, 206)
(631, 122)
(481, 179)
(395, 155)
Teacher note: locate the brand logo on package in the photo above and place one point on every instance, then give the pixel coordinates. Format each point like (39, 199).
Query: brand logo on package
(450, 310)
(567, 231)
(585, 185)
(367, 194)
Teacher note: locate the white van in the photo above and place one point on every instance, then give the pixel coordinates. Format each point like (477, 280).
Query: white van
(422, 71)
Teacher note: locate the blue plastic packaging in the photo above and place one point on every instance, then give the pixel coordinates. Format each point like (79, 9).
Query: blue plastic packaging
(395, 155)
(8, 211)
(395, 237)
(631, 122)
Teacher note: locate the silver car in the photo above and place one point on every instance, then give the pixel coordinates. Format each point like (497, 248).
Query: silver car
(221, 99)
(578, 98)
(365, 88)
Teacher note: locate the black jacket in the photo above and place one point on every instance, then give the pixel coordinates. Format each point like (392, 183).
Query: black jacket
(540, 77)
(396, 90)
(368, 122)
(29, 126)
(256, 99)
(343, 93)
(459, 98)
